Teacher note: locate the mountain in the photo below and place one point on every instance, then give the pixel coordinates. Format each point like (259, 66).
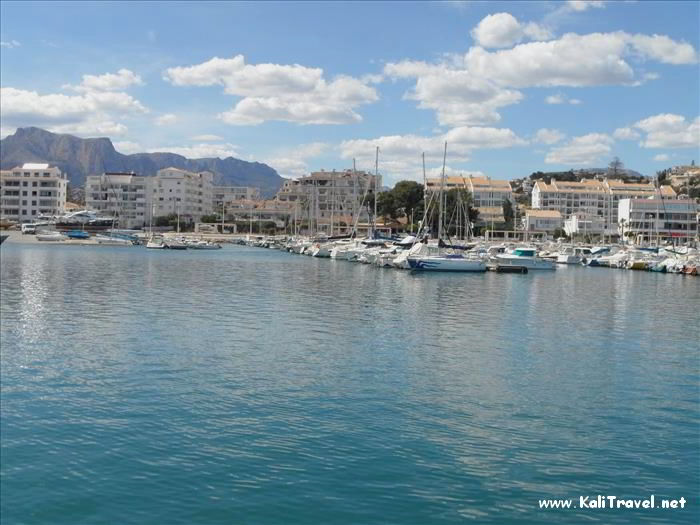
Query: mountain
(79, 158)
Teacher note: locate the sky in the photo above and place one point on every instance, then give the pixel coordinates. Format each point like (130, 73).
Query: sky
(512, 87)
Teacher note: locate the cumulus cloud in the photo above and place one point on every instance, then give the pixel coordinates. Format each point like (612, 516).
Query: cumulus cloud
(581, 151)
(560, 98)
(97, 109)
(583, 5)
(292, 93)
(667, 130)
(626, 134)
(548, 136)
(472, 89)
(207, 138)
(118, 81)
(200, 151)
(577, 60)
(458, 97)
(10, 44)
(128, 147)
(293, 162)
(90, 113)
(400, 155)
(504, 30)
(166, 120)
(661, 157)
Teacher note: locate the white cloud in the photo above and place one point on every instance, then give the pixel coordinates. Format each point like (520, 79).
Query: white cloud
(207, 138)
(661, 157)
(292, 93)
(562, 63)
(200, 151)
(471, 89)
(560, 98)
(626, 134)
(293, 162)
(667, 130)
(128, 147)
(458, 97)
(90, 113)
(504, 30)
(166, 120)
(10, 44)
(554, 99)
(400, 155)
(583, 5)
(549, 136)
(97, 109)
(581, 151)
(118, 81)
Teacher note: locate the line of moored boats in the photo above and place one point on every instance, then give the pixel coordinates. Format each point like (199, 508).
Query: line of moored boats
(429, 255)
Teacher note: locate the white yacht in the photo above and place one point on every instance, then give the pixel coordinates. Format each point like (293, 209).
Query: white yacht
(50, 236)
(446, 262)
(523, 258)
(573, 255)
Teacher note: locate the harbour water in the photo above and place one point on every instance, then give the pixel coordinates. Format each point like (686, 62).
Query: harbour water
(251, 386)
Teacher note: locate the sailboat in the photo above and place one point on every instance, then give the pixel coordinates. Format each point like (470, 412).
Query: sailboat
(154, 243)
(444, 261)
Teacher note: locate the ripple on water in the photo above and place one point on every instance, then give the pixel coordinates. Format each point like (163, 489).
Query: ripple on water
(247, 385)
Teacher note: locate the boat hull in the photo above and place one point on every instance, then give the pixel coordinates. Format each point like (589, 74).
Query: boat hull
(446, 264)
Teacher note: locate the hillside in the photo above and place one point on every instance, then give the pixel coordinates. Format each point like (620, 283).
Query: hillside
(81, 157)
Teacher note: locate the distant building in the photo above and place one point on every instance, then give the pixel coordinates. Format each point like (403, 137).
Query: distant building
(182, 192)
(31, 190)
(663, 219)
(581, 223)
(228, 194)
(592, 197)
(330, 201)
(542, 220)
(487, 195)
(125, 196)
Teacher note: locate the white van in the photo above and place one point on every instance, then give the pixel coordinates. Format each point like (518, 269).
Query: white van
(29, 228)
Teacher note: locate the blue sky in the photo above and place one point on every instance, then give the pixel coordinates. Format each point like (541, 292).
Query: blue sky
(513, 87)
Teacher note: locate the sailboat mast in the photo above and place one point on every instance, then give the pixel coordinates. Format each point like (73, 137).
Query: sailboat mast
(442, 189)
(376, 190)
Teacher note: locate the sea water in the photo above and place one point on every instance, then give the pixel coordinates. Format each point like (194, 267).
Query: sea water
(253, 386)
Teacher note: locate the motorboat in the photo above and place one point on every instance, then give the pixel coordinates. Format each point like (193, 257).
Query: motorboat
(573, 255)
(50, 236)
(447, 262)
(203, 245)
(77, 234)
(523, 258)
(155, 243)
(110, 240)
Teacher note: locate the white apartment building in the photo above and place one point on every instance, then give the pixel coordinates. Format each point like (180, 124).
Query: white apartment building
(31, 190)
(664, 219)
(542, 220)
(581, 223)
(592, 197)
(182, 192)
(126, 196)
(619, 190)
(330, 201)
(487, 194)
(229, 194)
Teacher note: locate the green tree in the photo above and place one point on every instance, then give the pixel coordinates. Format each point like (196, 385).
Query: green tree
(408, 196)
(386, 205)
(508, 213)
(616, 167)
(210, 218)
